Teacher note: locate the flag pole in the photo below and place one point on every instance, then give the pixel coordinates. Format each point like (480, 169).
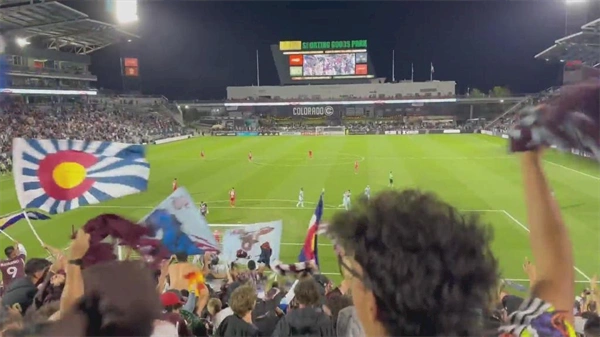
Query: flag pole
(37, 236)
(393, 66)
(257, 70)
(7, 236)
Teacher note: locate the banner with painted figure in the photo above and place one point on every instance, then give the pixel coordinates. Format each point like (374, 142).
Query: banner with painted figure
(180, 226)
(261, 241)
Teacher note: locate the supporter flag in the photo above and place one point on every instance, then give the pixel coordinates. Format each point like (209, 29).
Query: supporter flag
(13, 219)
(180, 227)
(57, 176)
(310, 249)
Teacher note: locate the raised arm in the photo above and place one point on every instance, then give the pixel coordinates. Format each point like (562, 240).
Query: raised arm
(549, 238)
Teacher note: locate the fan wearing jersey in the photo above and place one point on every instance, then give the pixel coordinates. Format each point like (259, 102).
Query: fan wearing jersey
(232, 197)
(300, 198)
(14, 266)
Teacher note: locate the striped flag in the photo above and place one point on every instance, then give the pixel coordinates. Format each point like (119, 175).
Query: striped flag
(13, 219)
(57, 176)
(310, 249)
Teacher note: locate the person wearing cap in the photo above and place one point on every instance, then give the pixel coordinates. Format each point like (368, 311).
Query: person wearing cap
(172, 303)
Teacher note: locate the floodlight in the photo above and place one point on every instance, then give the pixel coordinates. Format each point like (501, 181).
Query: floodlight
(22, 42)
(126, 11)
(568, 2)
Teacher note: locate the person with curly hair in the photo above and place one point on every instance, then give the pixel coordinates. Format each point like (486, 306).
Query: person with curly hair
(417, 266)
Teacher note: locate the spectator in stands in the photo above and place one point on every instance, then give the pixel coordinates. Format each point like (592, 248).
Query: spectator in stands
(415, 260)
(308, 319)
(21, 292)
(240, 324)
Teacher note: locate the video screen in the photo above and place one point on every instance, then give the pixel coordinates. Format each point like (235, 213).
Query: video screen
(329, 65)
(361, 57)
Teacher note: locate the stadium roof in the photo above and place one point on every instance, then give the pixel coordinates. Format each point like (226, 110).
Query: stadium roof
(59, 27)
(583, 46)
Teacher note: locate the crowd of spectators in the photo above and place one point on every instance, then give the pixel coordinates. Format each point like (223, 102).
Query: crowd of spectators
(79, 121)
(410, 263)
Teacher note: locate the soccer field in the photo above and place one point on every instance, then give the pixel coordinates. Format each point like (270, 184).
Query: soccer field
(473, 172)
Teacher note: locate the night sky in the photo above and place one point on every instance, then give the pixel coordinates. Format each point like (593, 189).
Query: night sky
(194, 49)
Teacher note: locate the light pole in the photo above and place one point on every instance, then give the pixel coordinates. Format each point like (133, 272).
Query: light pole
(571, 4)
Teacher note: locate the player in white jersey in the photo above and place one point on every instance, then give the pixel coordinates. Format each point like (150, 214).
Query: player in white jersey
(368, 192)
(300, 198)
(348, 198)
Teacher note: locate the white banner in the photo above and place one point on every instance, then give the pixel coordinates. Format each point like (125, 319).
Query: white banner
(252, 239)
(333, 133)
(451, 131)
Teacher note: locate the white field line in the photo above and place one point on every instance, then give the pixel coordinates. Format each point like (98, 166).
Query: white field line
(527, 229)
(572, 170)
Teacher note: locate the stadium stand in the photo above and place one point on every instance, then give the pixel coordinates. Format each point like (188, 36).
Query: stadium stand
(48, 82)
(580, 55)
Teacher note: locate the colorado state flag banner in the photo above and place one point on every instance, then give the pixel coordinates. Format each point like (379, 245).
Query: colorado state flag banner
(310, 249)
(57, 176)
(13, 219)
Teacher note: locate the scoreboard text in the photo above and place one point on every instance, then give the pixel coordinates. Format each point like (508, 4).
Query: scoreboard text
(322, 45)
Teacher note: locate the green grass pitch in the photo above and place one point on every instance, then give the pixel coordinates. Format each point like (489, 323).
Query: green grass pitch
(473, 172)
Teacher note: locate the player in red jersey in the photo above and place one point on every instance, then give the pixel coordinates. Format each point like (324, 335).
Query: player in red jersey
(309, 154)
(14, 266)
(250, 156)
(232, 197)
(356, 167)
(174, 184)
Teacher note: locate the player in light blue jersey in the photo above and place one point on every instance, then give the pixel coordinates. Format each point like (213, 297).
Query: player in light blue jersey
(368, 192)
(300, 198)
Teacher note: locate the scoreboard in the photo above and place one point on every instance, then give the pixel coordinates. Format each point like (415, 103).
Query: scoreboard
(318, 61)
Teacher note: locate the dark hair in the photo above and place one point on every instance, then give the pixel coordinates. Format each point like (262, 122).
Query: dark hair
(307, 292)
(181, 256)
(251, 265)
(592, 327)
(336, 304)
(35, 265)
(9, 250)
(426, 264)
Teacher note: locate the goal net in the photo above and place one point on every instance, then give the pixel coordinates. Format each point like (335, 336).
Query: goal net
(331, 130)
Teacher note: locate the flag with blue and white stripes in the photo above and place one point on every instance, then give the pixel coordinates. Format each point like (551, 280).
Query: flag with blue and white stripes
(13, 219)
(57, 176)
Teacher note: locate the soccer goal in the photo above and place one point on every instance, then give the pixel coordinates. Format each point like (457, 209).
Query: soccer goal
(330, 130)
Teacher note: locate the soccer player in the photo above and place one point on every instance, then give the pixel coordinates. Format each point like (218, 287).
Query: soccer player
(174, 184)
(14, 266)
(203, 208)
(232, 197)
(300, 198)
(202, 154)
(250, 156)
(309, 154)
(391, 179)
(356, 167)
(348, 200)
(368, 192)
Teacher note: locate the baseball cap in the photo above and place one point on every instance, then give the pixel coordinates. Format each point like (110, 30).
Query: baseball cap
(169, 298)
